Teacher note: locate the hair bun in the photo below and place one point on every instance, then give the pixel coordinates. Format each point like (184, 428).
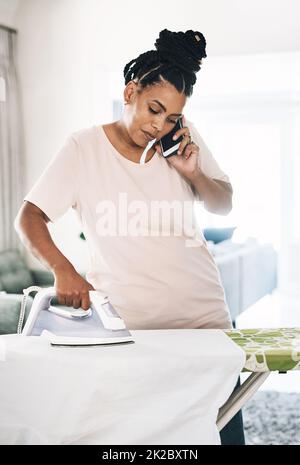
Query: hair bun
(183, 49)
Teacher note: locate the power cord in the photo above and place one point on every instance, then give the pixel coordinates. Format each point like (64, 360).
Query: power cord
(26, 293)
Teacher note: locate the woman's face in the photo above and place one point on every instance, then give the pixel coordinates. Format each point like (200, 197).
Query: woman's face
(155, 110)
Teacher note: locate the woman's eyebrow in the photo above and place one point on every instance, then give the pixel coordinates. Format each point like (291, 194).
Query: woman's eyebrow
(162, 106)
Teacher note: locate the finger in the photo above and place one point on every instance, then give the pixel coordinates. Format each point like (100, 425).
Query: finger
(61, 299)
(76, 303)
(183, 145)
(76, 300)
(85, 301)
(181, 132)
(69, 299)
(190, 149)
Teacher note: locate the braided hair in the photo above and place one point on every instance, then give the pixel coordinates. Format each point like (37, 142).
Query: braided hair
(177, 59)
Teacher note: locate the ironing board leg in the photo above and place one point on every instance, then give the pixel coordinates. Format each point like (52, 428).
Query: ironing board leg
(239, 397)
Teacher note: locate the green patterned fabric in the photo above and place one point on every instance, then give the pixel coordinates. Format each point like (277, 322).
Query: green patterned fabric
(276, 349)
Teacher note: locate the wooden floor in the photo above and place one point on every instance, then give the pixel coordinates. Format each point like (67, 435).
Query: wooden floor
(276, 310)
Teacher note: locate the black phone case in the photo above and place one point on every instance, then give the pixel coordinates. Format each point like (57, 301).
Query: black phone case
(169, 146)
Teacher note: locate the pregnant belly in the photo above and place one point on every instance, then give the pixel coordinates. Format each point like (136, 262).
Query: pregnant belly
(173, 287)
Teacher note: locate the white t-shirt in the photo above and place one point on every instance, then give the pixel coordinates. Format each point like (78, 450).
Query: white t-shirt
(156, 276)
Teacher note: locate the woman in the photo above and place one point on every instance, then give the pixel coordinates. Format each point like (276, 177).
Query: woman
(155, 279)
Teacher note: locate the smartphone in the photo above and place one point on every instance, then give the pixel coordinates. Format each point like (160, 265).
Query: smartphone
(169, 146)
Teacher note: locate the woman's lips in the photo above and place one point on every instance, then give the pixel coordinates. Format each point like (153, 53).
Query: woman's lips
(148, 137)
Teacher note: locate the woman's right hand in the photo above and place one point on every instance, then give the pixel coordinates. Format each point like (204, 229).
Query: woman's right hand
(72, 289)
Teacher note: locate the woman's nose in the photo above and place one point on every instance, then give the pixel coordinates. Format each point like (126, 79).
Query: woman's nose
(158, 126)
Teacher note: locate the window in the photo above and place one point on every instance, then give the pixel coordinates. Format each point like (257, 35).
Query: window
(249, 152)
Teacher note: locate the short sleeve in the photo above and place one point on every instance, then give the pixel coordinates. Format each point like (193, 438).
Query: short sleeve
(56, 189)
(206, 161)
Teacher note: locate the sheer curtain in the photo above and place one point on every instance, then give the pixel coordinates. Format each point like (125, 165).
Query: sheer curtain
(11, 142)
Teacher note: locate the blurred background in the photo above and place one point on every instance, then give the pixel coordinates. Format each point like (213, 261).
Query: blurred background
(61, 69)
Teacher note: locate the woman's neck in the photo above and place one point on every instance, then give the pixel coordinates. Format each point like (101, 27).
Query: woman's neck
(123, 136)
(121, 141)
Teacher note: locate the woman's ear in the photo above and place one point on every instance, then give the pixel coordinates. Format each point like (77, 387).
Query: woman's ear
(129, 91)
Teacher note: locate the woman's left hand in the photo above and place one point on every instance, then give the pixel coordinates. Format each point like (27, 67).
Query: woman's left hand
(186, 159)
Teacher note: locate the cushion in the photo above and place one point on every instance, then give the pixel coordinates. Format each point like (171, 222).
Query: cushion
(14, 273)
(217, 235)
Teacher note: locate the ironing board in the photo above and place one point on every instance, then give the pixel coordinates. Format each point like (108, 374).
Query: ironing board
(186, 357)
(267, 350)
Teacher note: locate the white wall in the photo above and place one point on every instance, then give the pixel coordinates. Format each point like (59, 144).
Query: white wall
(72, 52)
(8, 9)
(2, 90)
(55, 72)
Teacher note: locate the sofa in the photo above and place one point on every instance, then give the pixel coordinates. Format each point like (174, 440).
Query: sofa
(248, 271)
(14, 277)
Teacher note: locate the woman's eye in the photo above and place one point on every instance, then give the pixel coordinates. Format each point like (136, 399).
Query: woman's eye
(153, 111)
(156, 113)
